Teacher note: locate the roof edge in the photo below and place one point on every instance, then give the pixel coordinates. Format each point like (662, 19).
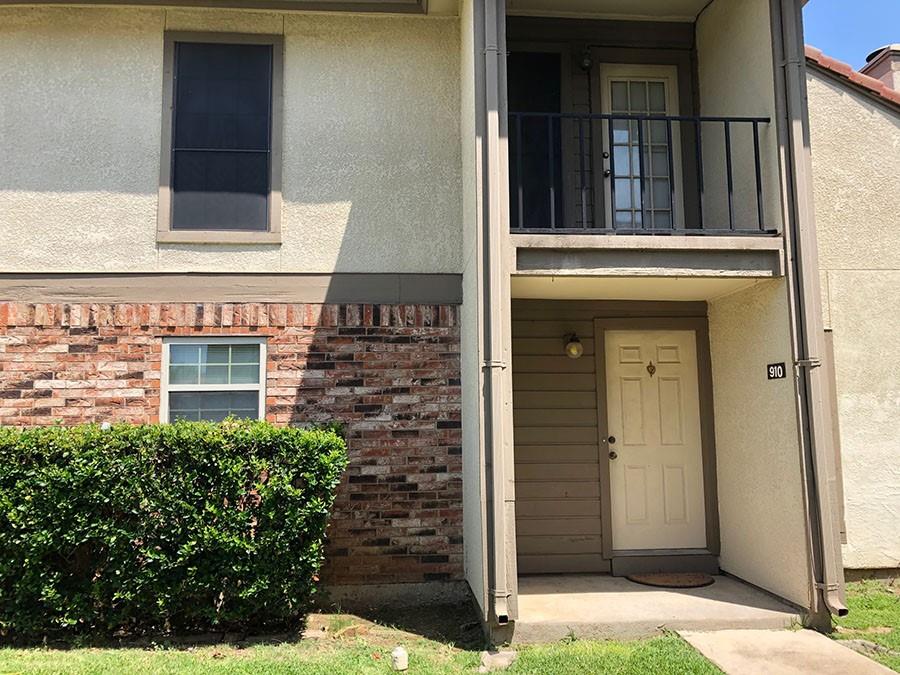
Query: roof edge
(847, 74)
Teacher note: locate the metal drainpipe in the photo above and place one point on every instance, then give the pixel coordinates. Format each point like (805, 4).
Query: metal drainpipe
(494, 363)
(805, 309)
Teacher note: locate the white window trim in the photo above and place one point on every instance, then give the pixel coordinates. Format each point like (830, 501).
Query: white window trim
(669, 75)
(165, 388)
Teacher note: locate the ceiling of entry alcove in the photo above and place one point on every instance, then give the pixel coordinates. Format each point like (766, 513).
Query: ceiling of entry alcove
(626, 288)
(659, 10)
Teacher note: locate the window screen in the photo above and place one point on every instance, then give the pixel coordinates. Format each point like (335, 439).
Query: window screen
(221, 136)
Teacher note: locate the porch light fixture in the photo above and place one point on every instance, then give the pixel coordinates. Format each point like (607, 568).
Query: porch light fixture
(586, 61)
(574, 348)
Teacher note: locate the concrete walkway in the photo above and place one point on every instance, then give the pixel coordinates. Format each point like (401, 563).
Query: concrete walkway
(784, 652)
(603, 607)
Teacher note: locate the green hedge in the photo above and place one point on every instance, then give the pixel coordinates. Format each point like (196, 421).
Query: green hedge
(181, 527)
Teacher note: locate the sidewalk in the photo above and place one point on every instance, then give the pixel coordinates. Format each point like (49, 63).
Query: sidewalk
(780, 652)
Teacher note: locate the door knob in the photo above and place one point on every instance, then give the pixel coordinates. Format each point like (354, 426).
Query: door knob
(613, 454)
(611, 439)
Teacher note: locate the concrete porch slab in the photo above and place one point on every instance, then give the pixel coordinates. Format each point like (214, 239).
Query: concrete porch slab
(605, 607)
(801, 652)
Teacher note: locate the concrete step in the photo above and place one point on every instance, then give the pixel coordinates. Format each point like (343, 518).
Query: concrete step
(604, 607)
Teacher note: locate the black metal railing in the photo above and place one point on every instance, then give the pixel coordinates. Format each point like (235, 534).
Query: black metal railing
(636, 174)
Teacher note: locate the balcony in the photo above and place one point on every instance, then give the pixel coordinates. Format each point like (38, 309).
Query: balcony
(644, 173)
(641, 122)
(656, 131)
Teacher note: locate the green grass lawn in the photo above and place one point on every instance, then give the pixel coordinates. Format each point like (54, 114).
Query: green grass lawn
(874, 617)
(352, 645)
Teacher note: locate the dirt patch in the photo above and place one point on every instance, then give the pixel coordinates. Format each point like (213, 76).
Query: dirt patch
(890, 576)
(450, 624)
(872, 630)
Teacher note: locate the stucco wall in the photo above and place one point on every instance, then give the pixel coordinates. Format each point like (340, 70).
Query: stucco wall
(736, 79)
(470, 322)
(761, 508)
(856, 170)
(371, 166)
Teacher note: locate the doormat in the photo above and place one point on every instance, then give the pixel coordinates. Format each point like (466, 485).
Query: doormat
(673, 580)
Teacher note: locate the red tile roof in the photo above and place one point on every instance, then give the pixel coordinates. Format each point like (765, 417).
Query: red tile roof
(846, 72)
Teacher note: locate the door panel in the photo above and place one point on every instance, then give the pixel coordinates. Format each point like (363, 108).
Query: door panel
(656, 477)
(671, 411)
(632, 416)
(674, 494)
(635, 494)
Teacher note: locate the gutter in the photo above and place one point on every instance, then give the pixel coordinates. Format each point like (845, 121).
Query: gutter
(805, 308)
(494, 365)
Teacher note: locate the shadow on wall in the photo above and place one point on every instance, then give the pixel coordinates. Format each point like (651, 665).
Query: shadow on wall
(390, 375)
(372, 184)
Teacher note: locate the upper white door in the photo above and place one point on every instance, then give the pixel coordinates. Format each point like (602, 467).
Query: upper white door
(649, 157)
(656, 467)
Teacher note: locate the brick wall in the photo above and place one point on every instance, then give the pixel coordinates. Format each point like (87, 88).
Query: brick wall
(389, 372)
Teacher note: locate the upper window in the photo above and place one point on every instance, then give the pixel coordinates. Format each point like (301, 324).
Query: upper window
(221, 165)
(213, 378)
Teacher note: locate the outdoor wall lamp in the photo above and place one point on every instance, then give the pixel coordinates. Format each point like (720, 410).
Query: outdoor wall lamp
(586, 62)
(574, 348)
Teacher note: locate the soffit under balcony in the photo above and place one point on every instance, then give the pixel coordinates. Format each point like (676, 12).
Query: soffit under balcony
(641, 10)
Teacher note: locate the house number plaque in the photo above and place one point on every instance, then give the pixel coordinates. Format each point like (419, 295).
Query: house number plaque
(775, 371)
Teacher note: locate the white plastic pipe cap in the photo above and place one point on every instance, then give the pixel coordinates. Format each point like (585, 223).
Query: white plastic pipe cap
(399, 659)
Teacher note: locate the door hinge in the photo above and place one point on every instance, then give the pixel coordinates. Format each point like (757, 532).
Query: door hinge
(494, 363)
(808, 363)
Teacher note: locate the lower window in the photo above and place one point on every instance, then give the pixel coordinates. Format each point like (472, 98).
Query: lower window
(213, 378)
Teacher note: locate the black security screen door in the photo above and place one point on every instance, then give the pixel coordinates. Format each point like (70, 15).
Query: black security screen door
(221, 141)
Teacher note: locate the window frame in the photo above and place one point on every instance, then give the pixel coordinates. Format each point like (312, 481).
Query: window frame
(165, 388)
(164, 231)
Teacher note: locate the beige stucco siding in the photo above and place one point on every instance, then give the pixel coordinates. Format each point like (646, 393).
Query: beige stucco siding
(856, 169)
(736, 79)
(758, 461)
(371, 164)
(80, 127)
(474, 517)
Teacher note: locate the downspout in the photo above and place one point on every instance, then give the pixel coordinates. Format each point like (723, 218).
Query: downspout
(494, 363)
(805, 310)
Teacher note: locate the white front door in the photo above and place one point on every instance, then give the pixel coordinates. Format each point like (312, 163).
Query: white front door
(656, 467)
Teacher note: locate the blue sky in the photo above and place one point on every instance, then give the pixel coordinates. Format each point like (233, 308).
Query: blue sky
(849, 29)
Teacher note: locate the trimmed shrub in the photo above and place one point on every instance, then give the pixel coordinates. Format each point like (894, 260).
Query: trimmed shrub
(156, 528)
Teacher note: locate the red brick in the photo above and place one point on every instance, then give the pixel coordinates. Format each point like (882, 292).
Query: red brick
(390, 373)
